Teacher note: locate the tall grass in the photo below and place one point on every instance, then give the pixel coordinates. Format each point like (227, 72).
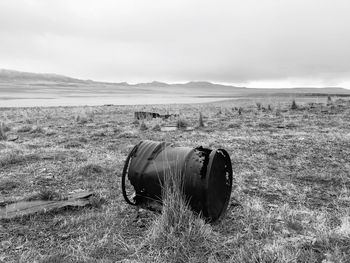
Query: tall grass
(200, 121)
(178, 235)
(294, 105)
(181, 123)
(2, 133)
(329, 101)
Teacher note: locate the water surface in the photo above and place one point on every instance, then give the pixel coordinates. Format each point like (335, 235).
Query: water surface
(91, 100)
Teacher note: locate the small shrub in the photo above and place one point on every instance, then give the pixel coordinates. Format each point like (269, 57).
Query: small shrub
(37, 130)
(294, 105)
(258, 106)
(200, 121)
(329, 101)
(291, 125)
(278, 113)
(90, 169)
(156, 127)
(50, 132)
(73, 144)
(178, 233)
(117, 129)
(97, 200)
(264, 125)
(127, 134)
(25, 128)
(5, 127)
(136, 122)
(82, 139)
(143, 126)
(2, 133)
(12, 157)
(81, 119)
(47, 194)
(55, 258)
(7, 185)
(234, 125)
(99, 133)
(181, 123)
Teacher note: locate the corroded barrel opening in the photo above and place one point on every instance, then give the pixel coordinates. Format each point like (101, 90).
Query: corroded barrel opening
(206, 175)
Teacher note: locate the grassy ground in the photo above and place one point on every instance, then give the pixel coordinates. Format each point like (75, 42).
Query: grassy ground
(290, 202)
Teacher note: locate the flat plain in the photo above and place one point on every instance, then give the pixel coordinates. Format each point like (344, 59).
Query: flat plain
(290, 201)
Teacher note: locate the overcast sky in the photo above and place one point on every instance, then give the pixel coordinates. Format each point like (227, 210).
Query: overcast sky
(249, 42)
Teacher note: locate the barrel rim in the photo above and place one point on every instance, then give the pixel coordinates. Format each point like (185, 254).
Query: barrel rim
(209, 169)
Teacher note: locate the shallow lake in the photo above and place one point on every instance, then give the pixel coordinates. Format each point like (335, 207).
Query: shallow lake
(132, 99)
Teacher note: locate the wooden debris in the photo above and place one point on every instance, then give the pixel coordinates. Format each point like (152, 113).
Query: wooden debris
(144, 115)
(23, 208)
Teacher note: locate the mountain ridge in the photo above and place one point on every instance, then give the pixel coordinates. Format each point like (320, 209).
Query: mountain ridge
(34, 79)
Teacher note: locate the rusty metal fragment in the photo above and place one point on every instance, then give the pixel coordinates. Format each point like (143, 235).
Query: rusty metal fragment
(23, 208)
(206, 175)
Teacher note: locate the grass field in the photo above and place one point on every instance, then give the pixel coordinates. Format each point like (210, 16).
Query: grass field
(290, 201)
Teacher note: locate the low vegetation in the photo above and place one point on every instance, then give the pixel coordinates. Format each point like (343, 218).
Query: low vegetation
(200, 121)
(290, 201)
(143, 126)
(181, 123)
(177, 235)
(25, 128)
(2, 133)
(294, 105)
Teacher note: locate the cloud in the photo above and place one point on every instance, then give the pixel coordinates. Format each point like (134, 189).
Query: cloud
(135, 40)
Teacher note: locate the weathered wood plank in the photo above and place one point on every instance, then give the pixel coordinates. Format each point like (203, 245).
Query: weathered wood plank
(22, 208)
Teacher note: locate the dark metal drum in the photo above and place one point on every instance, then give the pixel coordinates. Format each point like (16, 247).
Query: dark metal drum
(206, 175)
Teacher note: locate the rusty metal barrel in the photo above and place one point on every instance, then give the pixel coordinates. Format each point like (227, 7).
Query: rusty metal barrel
(206, 175)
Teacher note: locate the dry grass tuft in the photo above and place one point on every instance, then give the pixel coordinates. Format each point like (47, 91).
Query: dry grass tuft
(200, 121)
(294, 105)
(181, 123)
(37, 130)
(143, 126)
(14, 156)
(24, 128)
(178, 235)
(329, 101)
(258, 106)
(90, 169)
(83, 116)
(81, 119)
(56, 258)
(5, 127)
(97, 200)
(73, 144)
(234, 125)
(2, 132)
(47, 194)
(8, 184)
(156, 127)
(127, 134)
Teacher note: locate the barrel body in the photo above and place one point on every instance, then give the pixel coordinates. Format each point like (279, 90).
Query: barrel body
(206, 175)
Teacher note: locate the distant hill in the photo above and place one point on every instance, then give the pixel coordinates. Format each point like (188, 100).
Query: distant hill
(13, 76)
(20, 82)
